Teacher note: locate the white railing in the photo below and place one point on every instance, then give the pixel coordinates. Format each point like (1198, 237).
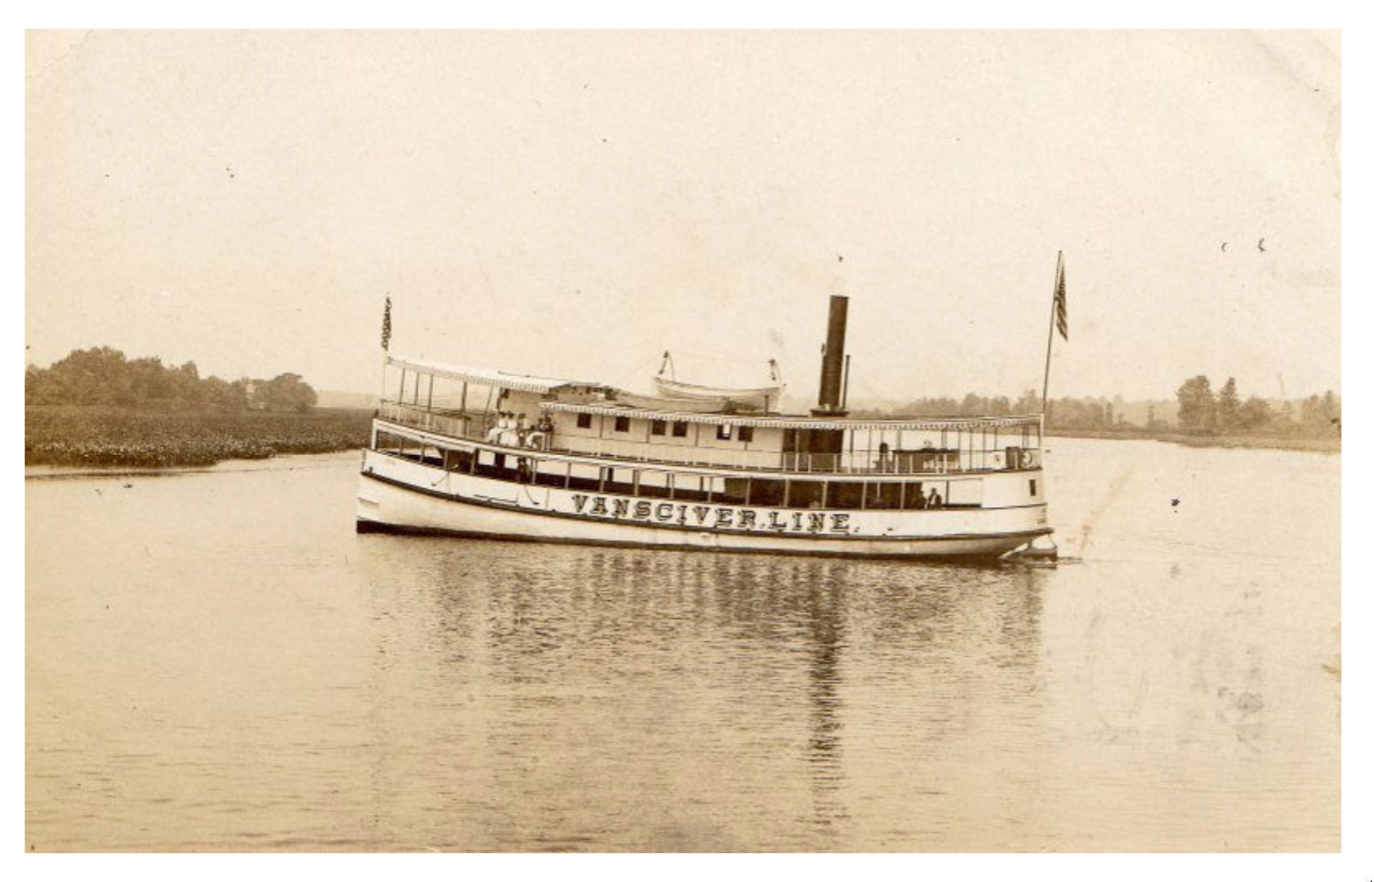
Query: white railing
(476, 427)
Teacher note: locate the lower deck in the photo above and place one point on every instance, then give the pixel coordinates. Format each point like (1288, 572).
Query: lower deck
(396, 493)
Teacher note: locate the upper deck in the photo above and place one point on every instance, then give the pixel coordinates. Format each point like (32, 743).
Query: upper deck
(608, 430)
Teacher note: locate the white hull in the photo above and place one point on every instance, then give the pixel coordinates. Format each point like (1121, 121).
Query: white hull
(406, 496)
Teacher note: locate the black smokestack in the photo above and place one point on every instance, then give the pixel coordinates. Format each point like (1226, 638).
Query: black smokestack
(832, 359)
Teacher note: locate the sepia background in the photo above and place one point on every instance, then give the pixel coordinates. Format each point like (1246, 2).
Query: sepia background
(575, 203)
(214, 660)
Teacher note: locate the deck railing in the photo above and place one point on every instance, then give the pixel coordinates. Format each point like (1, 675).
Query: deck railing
(478, 426)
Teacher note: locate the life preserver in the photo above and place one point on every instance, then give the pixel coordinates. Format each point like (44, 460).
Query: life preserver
(1030, 459)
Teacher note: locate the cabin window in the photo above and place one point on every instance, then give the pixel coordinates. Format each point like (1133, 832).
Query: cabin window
(584, 421)
(723, 432)
(653, 484)
(679, 430)
(494, 465)
(746, 434)
(845, 494)
(883, 494)
(765, 491)
(658, 427)
(735, 492)
(458, 461)
(688, 487)
(619, 480)
(913, 496)
(583, 477)
(806, 494)
(1032, 488)
(622, 424)
(551, 473)
(407, 448)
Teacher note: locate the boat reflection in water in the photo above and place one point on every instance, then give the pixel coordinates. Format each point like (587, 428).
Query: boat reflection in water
(678, 701)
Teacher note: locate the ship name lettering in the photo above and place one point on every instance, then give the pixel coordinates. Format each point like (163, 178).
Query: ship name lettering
(713, 516)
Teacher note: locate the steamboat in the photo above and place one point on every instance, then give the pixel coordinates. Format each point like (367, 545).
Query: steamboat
(512, 456)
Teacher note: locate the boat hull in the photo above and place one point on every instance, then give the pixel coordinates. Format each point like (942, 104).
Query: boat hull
(402, 496)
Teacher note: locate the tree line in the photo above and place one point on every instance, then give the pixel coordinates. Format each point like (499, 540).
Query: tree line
(1203, 411)
(1078, 413)
(1200, 411)
(104, 376)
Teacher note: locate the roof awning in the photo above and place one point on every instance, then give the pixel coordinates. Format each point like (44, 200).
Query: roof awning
(488, 376)
(794, 422)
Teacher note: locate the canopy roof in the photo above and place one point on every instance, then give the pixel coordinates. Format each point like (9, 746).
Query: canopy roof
(488, 376)
(792, 422)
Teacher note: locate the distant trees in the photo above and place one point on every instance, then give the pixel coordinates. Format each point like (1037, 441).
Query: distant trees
(288, 392)
(104, 376)
(1228, 406)
(970, 405)
(1199, 410)
(1197, 407)
(1086, 413)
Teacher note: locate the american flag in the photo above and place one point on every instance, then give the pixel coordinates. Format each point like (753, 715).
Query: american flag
(1061, 302)
(386, 325)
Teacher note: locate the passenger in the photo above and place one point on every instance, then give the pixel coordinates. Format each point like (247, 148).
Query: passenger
(520, 430)
(935, 500)
(539, 436)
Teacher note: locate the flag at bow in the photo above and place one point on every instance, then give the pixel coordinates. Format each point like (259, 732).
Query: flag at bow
(386, 325)
(1061, 301)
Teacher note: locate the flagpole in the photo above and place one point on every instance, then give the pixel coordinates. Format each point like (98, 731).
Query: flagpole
(1049, 344)
(386, 348)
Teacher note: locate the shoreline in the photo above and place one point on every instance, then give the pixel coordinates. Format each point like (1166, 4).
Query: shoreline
(276, 463)
(103, 439)
(1233, 442)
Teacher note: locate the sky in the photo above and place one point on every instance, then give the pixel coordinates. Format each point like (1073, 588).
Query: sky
(575, 203)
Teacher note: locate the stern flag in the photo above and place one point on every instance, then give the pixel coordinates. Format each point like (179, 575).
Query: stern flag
(386, 326)
(1061, 304)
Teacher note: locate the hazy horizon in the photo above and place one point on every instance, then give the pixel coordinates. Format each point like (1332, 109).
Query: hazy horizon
(575, 203)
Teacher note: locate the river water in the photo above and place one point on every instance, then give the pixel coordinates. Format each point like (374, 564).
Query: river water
(216, 661)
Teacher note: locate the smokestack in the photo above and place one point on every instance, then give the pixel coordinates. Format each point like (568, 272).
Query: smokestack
(829, 402)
